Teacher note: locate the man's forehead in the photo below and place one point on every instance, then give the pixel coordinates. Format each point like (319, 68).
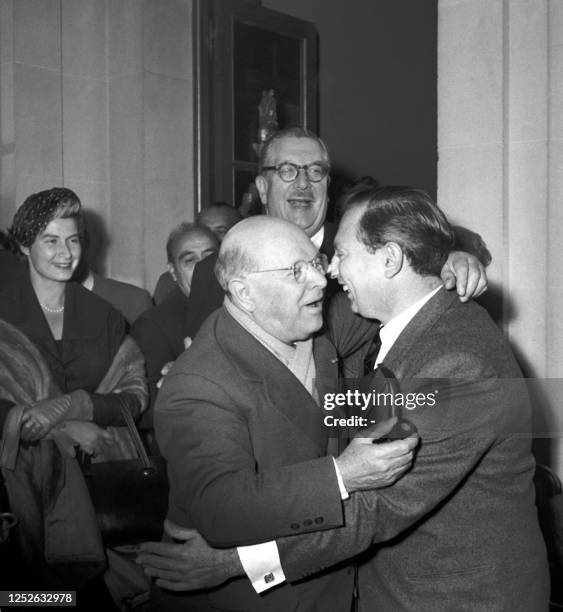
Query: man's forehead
(192, 243)
(293, 148)
(286, 249)
(348, 226)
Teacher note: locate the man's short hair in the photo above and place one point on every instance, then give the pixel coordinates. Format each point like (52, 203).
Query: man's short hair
(408, 217)
(231, 212)
(290, 132)
(180, 231)
(233, 262)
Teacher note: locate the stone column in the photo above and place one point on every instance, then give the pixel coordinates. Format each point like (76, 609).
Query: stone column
(500, 171)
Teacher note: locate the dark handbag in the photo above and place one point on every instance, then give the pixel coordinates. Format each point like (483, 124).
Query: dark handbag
(130, 496)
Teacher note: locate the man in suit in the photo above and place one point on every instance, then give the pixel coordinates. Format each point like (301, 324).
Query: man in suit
(219, 217)
(460, 530)
(161, 331)
(292, 188)
(239, 423)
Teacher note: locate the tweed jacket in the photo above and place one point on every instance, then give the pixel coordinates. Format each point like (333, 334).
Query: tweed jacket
(460, 530)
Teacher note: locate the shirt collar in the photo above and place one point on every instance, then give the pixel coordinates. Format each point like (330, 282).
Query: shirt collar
(88, 282)
(392, 330)
(317, 239)
(284, 352)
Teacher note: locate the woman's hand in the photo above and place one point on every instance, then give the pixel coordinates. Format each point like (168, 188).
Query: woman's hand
(39, 419)
(90, 437)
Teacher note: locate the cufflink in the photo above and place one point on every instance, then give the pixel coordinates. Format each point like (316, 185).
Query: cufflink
(269, 578)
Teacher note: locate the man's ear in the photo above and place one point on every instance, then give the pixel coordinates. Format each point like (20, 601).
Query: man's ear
(394, 259)
(241, 295)
(25, 250)
(172, 271)
(262, 186)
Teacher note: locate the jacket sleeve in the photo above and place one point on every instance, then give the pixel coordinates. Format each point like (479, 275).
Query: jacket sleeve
(155, 348)
(127, 371)
(214, 477)
(473, 415)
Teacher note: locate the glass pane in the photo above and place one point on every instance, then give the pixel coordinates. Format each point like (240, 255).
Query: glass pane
(263, 60)
(247, 199)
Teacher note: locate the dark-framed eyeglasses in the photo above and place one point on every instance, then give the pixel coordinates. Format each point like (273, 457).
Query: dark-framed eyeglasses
(289, 171)
(299, 268)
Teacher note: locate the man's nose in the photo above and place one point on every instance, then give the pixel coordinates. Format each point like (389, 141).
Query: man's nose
(302, 180)
(333, 267)
(317, 278)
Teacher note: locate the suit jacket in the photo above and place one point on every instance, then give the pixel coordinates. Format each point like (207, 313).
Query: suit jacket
(460, 530)
(206, 294)
(131, 301)
(164, 287)
(246, 458)
(160, 333)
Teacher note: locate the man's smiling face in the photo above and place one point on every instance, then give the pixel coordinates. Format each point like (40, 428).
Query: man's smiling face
(301, 201)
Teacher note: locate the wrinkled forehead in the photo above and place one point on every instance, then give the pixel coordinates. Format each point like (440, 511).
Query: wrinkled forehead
(297, 150)
(192, 242)
(283, 249)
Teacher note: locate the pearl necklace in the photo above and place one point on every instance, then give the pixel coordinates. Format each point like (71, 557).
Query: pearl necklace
(53, 310)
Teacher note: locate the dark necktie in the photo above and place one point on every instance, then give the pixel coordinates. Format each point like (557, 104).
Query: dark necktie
(371, 355)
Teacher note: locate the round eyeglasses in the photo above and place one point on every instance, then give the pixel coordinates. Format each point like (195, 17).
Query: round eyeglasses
(299, 268)
(288, 171)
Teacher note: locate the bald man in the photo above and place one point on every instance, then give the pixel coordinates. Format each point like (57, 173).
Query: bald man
(239, 422)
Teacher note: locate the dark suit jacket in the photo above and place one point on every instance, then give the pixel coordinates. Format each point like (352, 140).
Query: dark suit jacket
(206, 294)
(160, 333)
(246, 458)
(92, 334)
(164, 287)
(460, 531)
(131, 301)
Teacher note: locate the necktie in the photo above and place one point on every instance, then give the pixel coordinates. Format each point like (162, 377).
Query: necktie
(371, 355)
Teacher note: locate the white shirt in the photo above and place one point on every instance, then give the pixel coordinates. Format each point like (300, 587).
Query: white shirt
(389, 332)
(317, 239)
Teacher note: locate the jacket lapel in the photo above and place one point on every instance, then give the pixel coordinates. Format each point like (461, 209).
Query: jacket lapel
(29, 317)
(398, 357)
(283, 391)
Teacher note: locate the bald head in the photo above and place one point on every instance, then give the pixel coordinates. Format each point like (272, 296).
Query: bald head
(258, 242)
(256, 267)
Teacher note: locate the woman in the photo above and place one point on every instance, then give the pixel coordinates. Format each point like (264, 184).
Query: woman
(66, 373)
(77, 333)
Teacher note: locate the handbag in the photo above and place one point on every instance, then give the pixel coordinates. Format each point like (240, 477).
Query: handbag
(130, 496)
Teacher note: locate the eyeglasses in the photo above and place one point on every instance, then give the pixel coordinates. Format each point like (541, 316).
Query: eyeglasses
(288, 171)
(299, 268)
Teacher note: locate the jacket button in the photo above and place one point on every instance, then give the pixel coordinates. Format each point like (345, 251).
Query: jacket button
(319, 520)
(295, 525)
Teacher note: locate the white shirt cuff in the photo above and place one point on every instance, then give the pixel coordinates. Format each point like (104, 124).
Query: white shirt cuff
(262, 565)
(343, 493)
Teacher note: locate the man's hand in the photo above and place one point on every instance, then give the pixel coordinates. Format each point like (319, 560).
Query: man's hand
(466, 273)
(365, 465)
(190, 565)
